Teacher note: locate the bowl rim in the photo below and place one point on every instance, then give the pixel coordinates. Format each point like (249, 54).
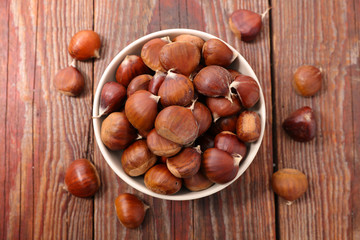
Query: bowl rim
(106, 152)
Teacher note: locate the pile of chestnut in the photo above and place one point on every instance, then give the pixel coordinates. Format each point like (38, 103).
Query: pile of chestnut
(180, 115)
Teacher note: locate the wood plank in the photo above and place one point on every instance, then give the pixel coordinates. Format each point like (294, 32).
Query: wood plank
(62, 125)
(18, 196)
(117, 29)
(354, 70)
(4, 40)
(246, 209)
(317, 33)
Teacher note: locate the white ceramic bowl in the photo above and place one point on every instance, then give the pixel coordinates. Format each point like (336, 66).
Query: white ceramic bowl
(113, 158)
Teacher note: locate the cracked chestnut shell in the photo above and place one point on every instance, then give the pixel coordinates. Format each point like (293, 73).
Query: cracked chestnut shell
(301, 125)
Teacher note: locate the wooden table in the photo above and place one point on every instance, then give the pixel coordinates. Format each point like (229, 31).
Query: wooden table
(42, 131)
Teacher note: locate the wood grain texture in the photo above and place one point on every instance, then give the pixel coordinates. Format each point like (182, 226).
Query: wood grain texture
(18, 195)
(4, 40)
(317, 33)
(354, 70)
(62, 124)
(246, 209)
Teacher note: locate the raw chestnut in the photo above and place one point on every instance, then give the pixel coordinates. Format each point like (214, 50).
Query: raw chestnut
(137, 158)
(182, 57)
(228, 142)
(156, 82)
(197, 182)
(112, 98)
(307, 80)
(234, 73)
(289, 184)
(246, 24)
(82, 179)
(177, 124)
(215, 52)
(141, 109)
(69, 81)
(117, 132)
(247, 90)
(129, 68)
(219, 166)
(224, 124)
(213, 81)
(198, 42)
(186, 163)
(301, 125)
(85, 45)
(203, 117)
(140, 82)
(177, 89)
(130, 210)
(222, 107)
(205, 141)
(161, 146)
(160, 180)
(150, 53)
(248, 126)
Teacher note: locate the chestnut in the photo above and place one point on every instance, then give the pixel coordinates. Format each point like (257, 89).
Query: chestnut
(216, 52)
(85, 45)
(176, 89)
(224, 124)
(140, 82)
(246, 24)
(141, 109)
(186, 163)
(222, 107)
(234, 73)
(69, 81)
(198, 42)
(213, 81)
(247, 90)
(248, 126)
(301, 125)
(137, 158)
(82, 179)
(129, 68)
(289, 184)
(203, 117)
(112, 98)
(177, 124)
(197, 182)
(228, 142)
(161, 146)
(150, 53)
(130, 210)
(160, 180)
(116, 131)
(307, 80)
(219, 166)
(205, 141)
(156, 82)
(182, 57)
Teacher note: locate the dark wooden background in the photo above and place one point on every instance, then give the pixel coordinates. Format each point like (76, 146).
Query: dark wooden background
(43, 131)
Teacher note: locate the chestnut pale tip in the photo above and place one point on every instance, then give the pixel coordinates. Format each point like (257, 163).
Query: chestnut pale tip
(264, 13)
(198, 149)
(166, 39)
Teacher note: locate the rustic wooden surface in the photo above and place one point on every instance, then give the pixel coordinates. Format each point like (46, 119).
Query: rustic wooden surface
(41, 131)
